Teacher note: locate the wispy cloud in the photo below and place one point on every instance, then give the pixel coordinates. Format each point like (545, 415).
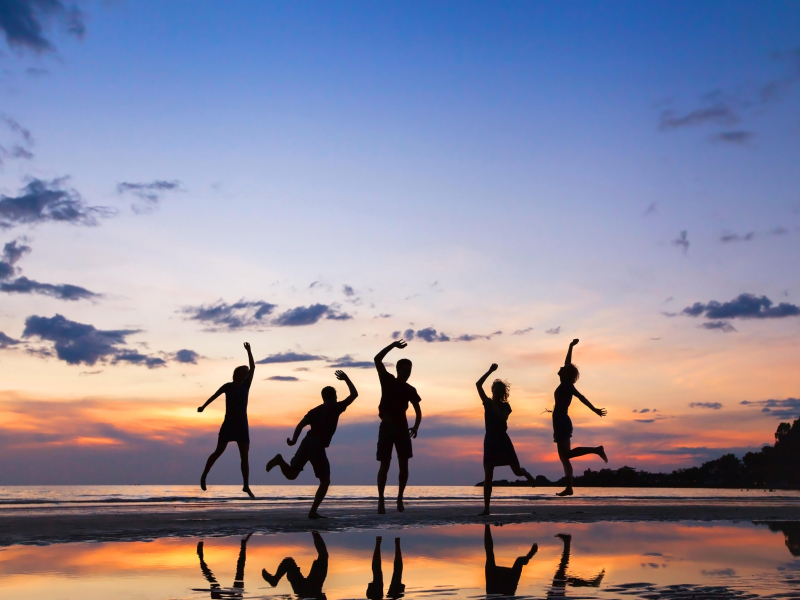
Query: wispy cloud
(348, 362)
(709, 405)
(239, 315)
(744, 306)
(6, 341)
(430, 334)
(734, 137)
(309, 315)
(789, 408)
(523, 331)
(41, 201)
(22, 141)
(289, 357)
(718, 326)
(282, 378)
(682, 241)
(554, 330)
(150, 193)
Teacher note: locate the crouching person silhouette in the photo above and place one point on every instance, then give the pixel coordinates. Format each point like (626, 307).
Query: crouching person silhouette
(322, 422)
(234, 427)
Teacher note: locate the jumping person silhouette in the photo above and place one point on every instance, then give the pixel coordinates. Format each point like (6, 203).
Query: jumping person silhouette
(397, 588)
(394, 431)
(309, 586)
(234, 427)
(498, 450)
(322, 422)
(562, 424)
(503, 580)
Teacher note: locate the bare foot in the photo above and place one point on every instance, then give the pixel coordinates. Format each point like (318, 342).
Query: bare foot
(316, 515)
(485, 513)
(246, 489)
(381, 507)
(602, 453)
(272, 464)
(203, 483)
(566, 492)
(400, 506)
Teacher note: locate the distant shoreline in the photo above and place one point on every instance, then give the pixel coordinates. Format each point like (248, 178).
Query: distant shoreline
(544, 482)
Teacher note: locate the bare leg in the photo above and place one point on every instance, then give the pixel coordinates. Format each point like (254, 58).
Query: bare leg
(324, 484)
(488, 476)
(238, 582)
(396, 587)
(402, 481)
(288, 471)
(583, 451)
(564, 453)
(375, 587)
(383, 473)
(244, 451)
(210, 462)
(520, 472)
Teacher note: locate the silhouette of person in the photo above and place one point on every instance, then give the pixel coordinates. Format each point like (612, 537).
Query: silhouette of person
(562, 424)
(305, 587)
(322, 421)
(560, 579)
(238, 584)
(503, 580)
(498, 451)
(397, 588)
(396, 394)
(234, 427)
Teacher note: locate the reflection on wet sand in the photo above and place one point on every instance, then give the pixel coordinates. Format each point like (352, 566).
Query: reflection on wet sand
(561, 579)
(304, 586)
(396, 587)
(216, 590)
(791, 531)
(503, 580)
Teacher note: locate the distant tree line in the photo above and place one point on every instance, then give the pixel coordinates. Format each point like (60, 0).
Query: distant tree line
(775, 466)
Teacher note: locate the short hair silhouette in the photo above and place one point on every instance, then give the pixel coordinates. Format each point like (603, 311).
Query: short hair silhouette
(500, 390)
(571, 372)
(239, 373)
(403, 365)
(329, 394)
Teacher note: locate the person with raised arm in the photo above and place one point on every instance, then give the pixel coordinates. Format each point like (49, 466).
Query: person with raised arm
(234, 426)
(322, 422)
(562, 424)
(498, 451)
(396, 395)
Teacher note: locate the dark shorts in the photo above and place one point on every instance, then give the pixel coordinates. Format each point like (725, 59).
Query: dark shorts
(562, 427)
(498, 451)
(393, 434)
(234, 431)
(312, 449)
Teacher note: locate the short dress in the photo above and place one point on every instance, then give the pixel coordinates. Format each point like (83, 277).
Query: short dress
(235, 427)
(562, 424)
(498, 451)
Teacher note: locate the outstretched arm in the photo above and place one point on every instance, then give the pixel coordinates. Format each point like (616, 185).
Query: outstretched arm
(382, 354)
(342, 376)
(482, 380)
(293, 440)
(600, 412)
(568, 360)
(252, 362)
(216, 395)
(418, 411)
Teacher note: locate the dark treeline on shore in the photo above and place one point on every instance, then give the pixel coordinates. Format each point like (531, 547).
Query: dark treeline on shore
(776, 466)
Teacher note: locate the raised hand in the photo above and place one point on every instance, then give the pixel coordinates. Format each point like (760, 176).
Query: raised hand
(400, 344)
(574, 342)
(247, 346)
(200, 408)
(341, 375)
(601, 412)
(493, 368)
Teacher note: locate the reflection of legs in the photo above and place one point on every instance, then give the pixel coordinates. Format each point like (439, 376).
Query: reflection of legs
(288, 471)
(402, 462)
(488, 477)
(211, 460)
(244, 451)
(383, 473)
(324, 484)
(239, 581)
(488, 545)
(375, 588)
(396, 587)
(204, 567)
(523, 561)
(283, 568)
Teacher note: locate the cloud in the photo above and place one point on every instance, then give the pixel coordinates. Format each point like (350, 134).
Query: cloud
(137, 358)
(735, 237)
(471, 337)
(186, 357)
(718, 326)
(719, 114)
(61, 291)
(21, 148)
(239, 315)
(554, 330)
(289, 357)
(734, 137)
(651, 210)
(745, 306)
(430, 334)
(282, 378)
(348, 290)
(6, 341)
(149, 192)
(12, 252)
(348, 362)
(682, 240)
(780, 409)
(710, 405)
(23, 22)
(42, 201)
(523, 331)
(384, 316)
(308, 315)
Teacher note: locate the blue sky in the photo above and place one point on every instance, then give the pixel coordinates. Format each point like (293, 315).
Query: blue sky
(467, 167)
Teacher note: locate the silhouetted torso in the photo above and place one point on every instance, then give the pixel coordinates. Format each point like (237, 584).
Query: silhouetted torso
(323, 420)
(395, 397)
(495, 416)
(236, 400)
(563, 397)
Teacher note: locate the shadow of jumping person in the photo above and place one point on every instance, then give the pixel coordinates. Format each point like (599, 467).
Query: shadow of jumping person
(561, 579)
(503, 580)
(397, 588)
(215, 590)
(309, 586)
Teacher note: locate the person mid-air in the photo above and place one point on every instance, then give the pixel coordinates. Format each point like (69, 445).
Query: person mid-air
(498, 450)
(322, 422)
(234, 427)
(562, 425)
(396, 394)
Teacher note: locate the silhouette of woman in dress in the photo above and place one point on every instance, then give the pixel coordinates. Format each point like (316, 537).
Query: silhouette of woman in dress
(503, 580)
(498, 451)
(562, 424)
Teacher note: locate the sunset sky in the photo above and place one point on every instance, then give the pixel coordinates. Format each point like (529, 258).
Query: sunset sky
(489, 180)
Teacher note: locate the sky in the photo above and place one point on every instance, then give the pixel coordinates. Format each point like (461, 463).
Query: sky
(487, 180)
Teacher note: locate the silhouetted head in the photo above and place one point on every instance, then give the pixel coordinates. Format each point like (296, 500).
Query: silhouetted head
(569, 373)
(328, 394)
(500, 390)
(240, 374)
(403, 369)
